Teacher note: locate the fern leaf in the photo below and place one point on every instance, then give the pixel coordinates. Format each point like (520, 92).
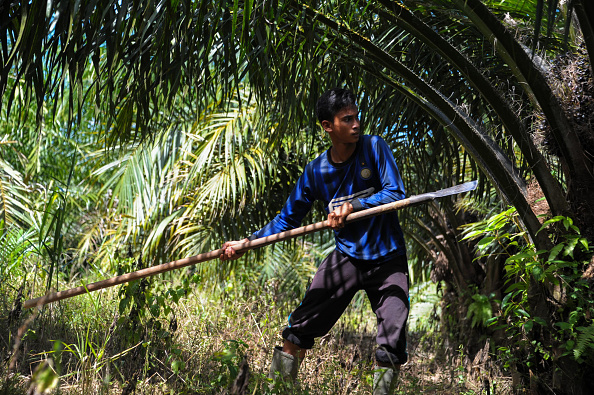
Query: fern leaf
(584, 341)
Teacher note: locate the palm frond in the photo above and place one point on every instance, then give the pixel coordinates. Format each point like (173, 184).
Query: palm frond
(14, 194)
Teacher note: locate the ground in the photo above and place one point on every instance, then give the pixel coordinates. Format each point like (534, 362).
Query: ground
(208, 340)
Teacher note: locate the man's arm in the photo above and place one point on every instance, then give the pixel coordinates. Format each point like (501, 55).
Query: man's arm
(392, 185)
(295, 209)
(336, 220)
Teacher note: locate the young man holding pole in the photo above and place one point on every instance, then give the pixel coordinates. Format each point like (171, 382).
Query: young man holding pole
(357, 172)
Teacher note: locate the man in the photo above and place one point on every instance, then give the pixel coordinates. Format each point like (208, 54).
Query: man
(357, 172)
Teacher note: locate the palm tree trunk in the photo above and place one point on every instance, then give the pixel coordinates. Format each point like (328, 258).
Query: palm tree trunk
(584, 10)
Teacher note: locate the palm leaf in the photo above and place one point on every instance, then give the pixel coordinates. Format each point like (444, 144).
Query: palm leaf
(14, 194)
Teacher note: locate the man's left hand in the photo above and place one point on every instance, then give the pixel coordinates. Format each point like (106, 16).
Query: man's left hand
(337, 218)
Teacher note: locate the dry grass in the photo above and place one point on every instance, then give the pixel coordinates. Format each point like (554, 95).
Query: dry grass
(212, 335)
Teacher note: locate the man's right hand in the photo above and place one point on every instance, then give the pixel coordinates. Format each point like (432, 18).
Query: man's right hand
(229, 253)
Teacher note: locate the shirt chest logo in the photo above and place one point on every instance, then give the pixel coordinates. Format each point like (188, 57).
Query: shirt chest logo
(365, 173)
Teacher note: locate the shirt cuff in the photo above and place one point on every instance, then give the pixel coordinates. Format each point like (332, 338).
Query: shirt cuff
(357, 206)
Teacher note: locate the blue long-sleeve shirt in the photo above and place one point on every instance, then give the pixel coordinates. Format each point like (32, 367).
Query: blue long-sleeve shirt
(367, 179)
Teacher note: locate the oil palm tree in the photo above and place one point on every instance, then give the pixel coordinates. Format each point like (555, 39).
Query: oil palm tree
(146, 53)
(183, 191)
(433, 77)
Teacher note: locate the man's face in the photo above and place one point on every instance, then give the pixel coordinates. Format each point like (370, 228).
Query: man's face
(345, 128)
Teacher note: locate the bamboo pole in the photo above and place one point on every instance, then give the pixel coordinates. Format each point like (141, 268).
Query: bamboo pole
(250, 245)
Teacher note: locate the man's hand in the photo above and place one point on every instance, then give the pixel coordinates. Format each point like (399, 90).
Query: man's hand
(336, 219)
(228, 251)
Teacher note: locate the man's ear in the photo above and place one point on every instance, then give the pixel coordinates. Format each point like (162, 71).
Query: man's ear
(327, 126)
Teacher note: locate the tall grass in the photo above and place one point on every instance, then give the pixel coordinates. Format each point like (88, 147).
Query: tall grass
(88, 345)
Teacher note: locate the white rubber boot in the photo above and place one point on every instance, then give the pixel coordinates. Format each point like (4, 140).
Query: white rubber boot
(284, 365)
(384, 380)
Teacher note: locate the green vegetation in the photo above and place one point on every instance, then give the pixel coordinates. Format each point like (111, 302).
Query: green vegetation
(199, 347)
(133, 133)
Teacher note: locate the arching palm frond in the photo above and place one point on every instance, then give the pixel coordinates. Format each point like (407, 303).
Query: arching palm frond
(140, 183)
(527, 69)
(15, 247)
(181, 193)
(280, 52)
(14, 199)
(231, 175)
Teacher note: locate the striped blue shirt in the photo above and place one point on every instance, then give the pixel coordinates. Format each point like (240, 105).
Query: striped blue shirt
(367, 179)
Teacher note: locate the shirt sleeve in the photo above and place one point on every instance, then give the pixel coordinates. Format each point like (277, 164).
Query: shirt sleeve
(392, 187)
(295, 209)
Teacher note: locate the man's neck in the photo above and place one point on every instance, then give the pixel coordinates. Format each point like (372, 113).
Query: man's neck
(342, 152)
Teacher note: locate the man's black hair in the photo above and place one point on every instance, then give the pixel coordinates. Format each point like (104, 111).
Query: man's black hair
(332, 101)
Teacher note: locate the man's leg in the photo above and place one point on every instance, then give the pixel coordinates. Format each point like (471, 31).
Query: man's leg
(332, 288)
(385, 380)
(294, 350)
(387, 289)
(286, 361)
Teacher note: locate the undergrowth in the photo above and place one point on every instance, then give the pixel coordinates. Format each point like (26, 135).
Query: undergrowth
(200, 341)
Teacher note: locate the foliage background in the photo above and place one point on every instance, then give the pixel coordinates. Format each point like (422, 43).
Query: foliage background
(135, 133)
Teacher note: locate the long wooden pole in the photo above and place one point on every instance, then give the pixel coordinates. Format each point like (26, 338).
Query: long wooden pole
(250, 245)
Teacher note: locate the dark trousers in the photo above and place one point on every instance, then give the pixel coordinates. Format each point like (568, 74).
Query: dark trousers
(334, 285)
